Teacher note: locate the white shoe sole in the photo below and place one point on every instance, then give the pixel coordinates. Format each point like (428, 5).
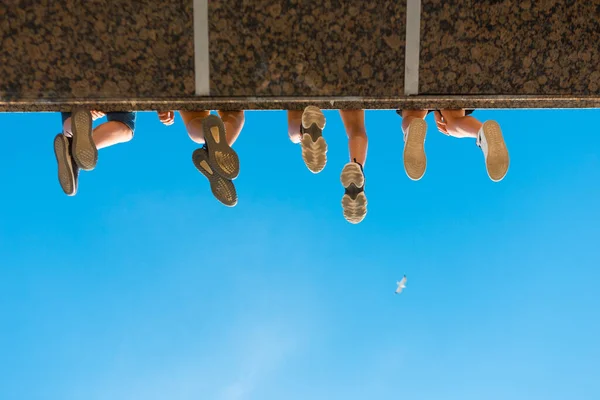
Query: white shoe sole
(314, 146)
(313, 115)
(415, 160)
(351, 174)
(497, 160)
(355, 209)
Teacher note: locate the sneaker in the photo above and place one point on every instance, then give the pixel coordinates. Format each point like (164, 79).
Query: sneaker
(314, 147)
(221, 187)
(84, 150)
(491, 142)
(415, 161)
(68, 172)
(223, 159)
(354, 201)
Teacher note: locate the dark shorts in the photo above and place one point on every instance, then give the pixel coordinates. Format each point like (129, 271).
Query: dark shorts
(127, 118)
(467, 112)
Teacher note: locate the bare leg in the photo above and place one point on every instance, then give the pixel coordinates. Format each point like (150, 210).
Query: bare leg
(460, 126)
(488, 135)
(354, 201)
(234, 122)
(111, 133)
(294, 124)
(106, 134)
(410, 115)
(193, 124)
(67, 128)
(354, 122)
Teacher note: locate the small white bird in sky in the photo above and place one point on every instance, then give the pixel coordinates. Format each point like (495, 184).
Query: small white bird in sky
(401, 285)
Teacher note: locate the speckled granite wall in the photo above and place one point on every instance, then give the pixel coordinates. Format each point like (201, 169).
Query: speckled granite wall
(307, 47)
(139, 54)
(510, 47)
(144, 48)
(96, 48)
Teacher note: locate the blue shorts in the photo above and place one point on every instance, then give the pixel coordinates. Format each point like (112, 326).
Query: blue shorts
(127, 118)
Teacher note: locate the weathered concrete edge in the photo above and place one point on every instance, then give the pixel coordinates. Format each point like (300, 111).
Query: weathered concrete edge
(298, 103)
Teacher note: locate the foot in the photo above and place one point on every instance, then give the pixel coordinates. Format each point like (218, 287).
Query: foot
(223, 159)
(415, 161)
(221, 187)
(68, 172)
(354, 201)
(494, 150)
(314, 147)
(84, 150)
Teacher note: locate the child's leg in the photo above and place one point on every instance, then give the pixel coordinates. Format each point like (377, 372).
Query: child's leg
(409, 116)
(234, 122)
(193, 124)
(354, 201)
(118, 129)
(354, 122)
(295, 125)
(457, 124)
(488, 135)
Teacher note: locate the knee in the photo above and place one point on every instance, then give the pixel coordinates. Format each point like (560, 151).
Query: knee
(357, 134)
(295, 137)
(194, 130)
(237, 115)
(414, 114)
(196, 136)
(127, 134)
(234, 119)
(122, 132)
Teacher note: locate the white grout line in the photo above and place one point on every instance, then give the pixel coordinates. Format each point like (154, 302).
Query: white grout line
(201, 51)
(413, 41)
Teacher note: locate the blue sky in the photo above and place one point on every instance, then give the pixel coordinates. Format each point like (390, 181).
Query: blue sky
(145, 287)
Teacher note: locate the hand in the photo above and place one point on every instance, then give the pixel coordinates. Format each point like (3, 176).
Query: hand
(96, 115)
(166, 117)
(440, 122)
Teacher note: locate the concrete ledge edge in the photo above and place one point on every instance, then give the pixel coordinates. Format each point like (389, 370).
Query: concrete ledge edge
(297, 103)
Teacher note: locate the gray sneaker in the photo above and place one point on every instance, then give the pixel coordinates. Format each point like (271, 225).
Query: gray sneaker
(68, 172)
(221, 187)
(84, 150)
(223, 159)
